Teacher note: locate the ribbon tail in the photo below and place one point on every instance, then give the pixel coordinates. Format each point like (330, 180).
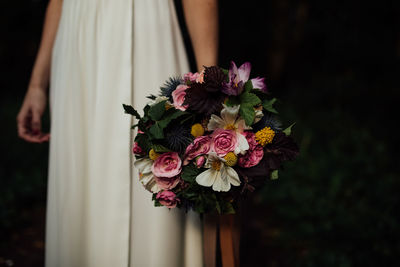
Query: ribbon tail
(210, 239)
(228, 241)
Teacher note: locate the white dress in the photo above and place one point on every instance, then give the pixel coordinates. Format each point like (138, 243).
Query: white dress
(106, 53)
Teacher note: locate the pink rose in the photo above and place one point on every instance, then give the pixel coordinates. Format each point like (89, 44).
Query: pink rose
(223, 141)
(167, 183)
(137, 149)
(178, 96)
(200, 78)
(251, 139)
(167, 198)
(255, 153)
(191, 77)
(200, 161)
(200, 145)
(167, 165)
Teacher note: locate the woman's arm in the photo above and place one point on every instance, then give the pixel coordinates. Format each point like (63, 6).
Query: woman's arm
(29, 116)
(202, 22)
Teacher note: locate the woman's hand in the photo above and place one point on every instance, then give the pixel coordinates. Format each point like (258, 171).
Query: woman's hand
(29, 117)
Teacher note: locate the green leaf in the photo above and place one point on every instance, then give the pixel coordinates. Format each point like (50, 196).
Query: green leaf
(232, 101)
(218, 207)
(226, 207)
(247, 112)
(268, 105)
(248, 86)
(157, 110)
(190, 172)
(160, 148)
(288, 130)
(274, 175)
(152, 97)
(169, 116)
(249, 98)
(130, 110)
(226, 72)
(143, 142)
(156, 131)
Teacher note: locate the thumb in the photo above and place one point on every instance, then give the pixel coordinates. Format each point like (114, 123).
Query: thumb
(36, 123)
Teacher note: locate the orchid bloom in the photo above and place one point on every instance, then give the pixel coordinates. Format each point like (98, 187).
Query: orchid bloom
(146, 176)
(218, 175)
(238, 77)
(230, 120)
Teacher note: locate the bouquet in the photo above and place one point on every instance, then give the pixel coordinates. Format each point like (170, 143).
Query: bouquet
(209, 138)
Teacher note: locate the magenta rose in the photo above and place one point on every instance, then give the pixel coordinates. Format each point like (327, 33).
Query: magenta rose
(200, 146)
(167, 165)
(167, 198)
(178, 96)
(223, 141)
(137, 149)
(167, 183)
(255, 153)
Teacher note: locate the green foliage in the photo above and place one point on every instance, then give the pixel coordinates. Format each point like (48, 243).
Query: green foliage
(247, 112)
(157, 110)
(169, 115)
(247, 98)
(160, 148)
(143, 142)
(269, 105)
(288, 130)
(189, 173)
(156, 132)
(130, 110)
(248, 86)
(204, 199)
(232, 101)
(274, 175)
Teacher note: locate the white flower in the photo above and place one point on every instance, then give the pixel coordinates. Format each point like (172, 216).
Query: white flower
(219, 175)
(146, 176)
(230, 120)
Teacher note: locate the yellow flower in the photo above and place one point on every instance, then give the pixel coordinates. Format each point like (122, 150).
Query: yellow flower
(265, 136)
(153, 155)
(197, 130)
(231, 159)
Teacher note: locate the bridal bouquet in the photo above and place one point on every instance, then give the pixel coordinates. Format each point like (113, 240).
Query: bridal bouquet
(208, 138)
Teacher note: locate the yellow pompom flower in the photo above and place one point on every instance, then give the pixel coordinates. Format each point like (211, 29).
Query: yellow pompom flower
(197, 130)
(153, 155)
(231, 159)
(265, 136)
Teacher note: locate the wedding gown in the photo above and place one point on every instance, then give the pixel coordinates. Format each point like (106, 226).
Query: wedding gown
(106, 53)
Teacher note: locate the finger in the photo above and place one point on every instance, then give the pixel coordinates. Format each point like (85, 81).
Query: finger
(44, 137)
(22, 125)
(31, 138)
(36, 123)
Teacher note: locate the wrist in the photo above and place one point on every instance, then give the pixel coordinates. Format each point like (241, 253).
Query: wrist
(37, 87)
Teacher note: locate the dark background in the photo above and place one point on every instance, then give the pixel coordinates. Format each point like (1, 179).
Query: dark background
(334, 65)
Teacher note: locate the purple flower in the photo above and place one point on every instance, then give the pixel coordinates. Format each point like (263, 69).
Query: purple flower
(238, 77)
(259, 83)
